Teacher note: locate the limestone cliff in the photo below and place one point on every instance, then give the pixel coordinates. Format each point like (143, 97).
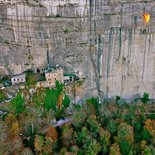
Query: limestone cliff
(106, 41)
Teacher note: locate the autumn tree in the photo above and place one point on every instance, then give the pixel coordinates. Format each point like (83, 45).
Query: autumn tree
(114, 149)
(13, 126)
(39, 143)
(125, 137)
(51, 134)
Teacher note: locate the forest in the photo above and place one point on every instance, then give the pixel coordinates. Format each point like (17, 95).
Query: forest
(34, 123)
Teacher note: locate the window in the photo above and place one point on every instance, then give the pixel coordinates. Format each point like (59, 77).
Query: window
(70, 78)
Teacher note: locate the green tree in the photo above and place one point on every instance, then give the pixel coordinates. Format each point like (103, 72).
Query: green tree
(125, 147)
(145, 99)
(18, 104)
(50, 100)
(112, 126)
(93, 105)
(56, 100)
(92, 148)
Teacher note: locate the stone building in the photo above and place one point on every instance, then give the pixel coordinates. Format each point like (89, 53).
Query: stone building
(70, 77)
(106, 40)
(56, 74)
(19, 78)
(41, 84)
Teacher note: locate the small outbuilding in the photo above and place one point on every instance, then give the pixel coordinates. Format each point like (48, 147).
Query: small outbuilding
(19, 78)
(69, 78)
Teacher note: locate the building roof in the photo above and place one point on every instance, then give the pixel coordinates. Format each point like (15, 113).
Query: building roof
(69, 74)
(50, 69)
(17, 75)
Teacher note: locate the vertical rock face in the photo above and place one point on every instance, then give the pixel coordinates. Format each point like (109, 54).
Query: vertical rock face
(106, 41)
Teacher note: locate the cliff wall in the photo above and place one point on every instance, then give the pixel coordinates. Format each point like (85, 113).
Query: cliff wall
(106, 41)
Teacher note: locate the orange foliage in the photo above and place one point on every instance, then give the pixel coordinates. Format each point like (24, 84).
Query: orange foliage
(150, 126)
(51, 134)
(59, 103)
(14, 128)
(10, 119)
(38, 143)
(146, 17)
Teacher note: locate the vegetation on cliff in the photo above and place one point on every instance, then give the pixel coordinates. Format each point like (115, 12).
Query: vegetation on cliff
(2, 95)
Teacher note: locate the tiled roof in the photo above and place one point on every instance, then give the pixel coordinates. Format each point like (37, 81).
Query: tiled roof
(69, 74)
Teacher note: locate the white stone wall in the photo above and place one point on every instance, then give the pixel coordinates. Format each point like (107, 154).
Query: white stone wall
(53, 76)
(18, 79)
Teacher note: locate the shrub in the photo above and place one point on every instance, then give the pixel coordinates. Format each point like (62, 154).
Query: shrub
(66, 31)
(145, 99)
(2, 95)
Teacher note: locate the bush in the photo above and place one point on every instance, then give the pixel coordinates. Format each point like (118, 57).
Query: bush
(2, 95)
(145, 99)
